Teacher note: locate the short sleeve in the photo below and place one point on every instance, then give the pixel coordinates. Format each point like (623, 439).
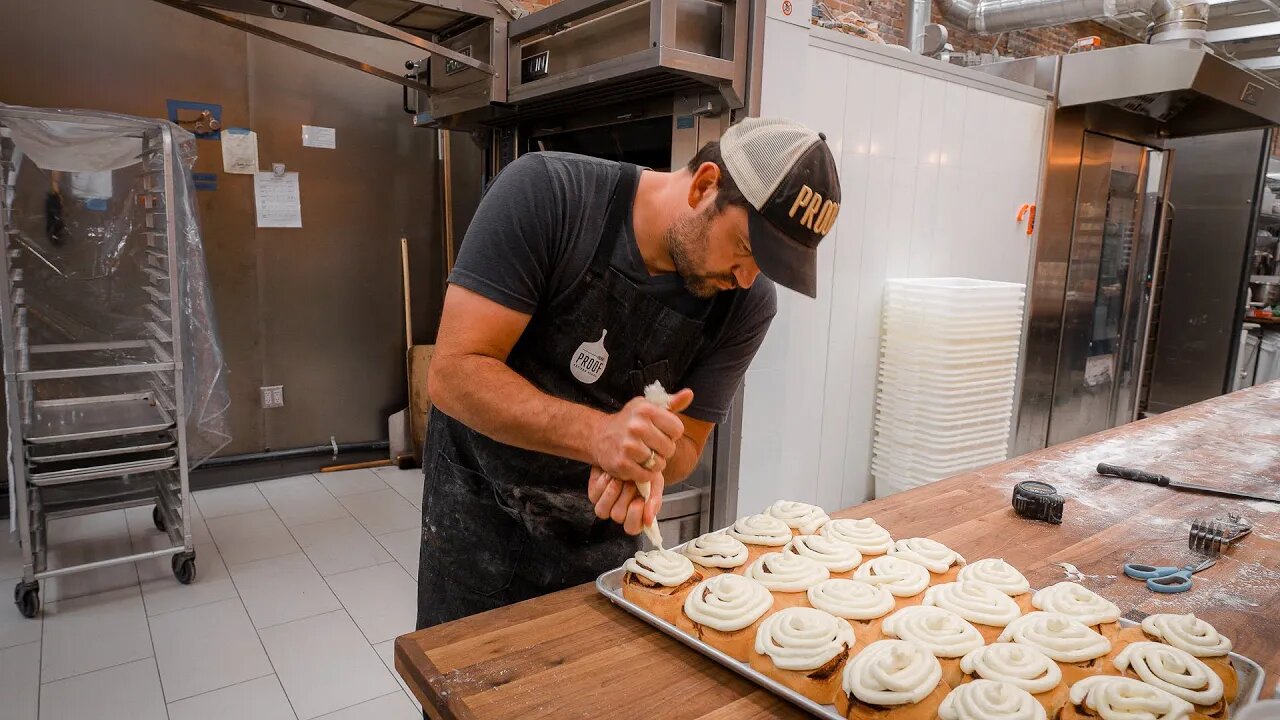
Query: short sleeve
(510, 249)
(717, 373)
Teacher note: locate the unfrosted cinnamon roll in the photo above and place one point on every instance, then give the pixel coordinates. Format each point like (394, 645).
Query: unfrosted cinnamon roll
(802, 518)
(658, 580)
(724, 612)
(891, 680)
(940, 560)
(804, 649)
(1078, 649)
(990, 700)
(1110, 697)
(863, 533)
(716, 553)
(981, 604)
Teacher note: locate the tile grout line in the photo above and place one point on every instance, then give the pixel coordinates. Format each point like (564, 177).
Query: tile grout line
(224, 687)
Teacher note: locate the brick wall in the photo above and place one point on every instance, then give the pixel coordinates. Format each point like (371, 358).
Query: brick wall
(891, 14)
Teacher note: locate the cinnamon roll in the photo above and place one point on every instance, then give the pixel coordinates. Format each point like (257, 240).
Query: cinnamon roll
(716, 553)
(1190, 633)
(990, 700)
(905, 579)
(761, 534)
(945, 634)
(1078, 649)
(892, 680)
(802, 518)
(839, 558)
(862, 604)
(1109, 697)
(1079, 603)
(787, 576)
(943, 562)
(981, 604)
(1002, 575)
(1022, 666)
(658, 580)
(724, 612)
(1176, 672)
(804, 649)
(863, 533)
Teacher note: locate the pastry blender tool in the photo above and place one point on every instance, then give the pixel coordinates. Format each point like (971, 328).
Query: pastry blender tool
(1213, 536)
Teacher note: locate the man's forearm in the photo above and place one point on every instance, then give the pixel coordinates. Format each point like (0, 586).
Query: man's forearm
(489, 397)
(681, 465)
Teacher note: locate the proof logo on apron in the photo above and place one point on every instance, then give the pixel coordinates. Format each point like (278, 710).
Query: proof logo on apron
(589, 360)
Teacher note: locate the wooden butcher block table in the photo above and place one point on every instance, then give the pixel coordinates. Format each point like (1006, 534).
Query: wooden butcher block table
(574, 655)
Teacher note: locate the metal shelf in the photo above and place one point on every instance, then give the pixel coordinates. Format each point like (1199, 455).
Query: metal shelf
(56, 421)
(74, 360)
(96, 448)
(98, 472)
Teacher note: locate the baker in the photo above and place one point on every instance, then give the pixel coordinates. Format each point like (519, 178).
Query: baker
(579, 282)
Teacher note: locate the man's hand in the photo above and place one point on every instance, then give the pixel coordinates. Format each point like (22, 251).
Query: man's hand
(619, 500)
(627, 439)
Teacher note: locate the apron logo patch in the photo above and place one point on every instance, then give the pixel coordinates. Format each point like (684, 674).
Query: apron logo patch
(589, 360)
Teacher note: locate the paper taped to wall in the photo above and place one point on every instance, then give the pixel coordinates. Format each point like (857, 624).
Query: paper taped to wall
(239, 151)
(278, 200)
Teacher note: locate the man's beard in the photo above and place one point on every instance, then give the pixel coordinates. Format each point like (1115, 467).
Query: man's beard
(687, 242)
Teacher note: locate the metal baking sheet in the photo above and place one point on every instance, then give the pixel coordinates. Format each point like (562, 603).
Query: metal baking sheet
(609, 584)
(85, 449)
(95, 417)
(97, 472)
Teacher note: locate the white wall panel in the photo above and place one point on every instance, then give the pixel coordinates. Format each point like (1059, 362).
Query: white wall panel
(932, 174)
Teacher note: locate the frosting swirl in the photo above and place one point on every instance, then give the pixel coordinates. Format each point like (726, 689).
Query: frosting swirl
(1120, 698)
(802, 638)
(998, 573)
(1076, 601)
(851, 599)
(942, 632)
(1187, 632)
(832, 554)
(974, 601)
(785, 572)
(661, 566)
(727, 602)
(932, 554)
(864, 534)
(1173, 670)
(761, 530)
(990, 700)
(892, 672)
(900, 577)
(716, 550)
(1058, 636)
(1019, 665)
(802, 516)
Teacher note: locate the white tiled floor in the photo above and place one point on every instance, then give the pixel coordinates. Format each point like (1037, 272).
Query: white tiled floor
(302, 585)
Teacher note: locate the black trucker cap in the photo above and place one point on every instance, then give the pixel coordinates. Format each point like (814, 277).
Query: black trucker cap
(788, 175)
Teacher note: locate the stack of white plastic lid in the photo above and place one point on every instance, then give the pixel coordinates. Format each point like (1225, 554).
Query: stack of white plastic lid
(948, 366)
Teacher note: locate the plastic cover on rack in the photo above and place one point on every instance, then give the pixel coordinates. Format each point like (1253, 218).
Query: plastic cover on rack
(80, 211)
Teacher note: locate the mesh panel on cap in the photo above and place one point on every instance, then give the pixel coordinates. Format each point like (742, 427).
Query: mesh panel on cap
(759, 152)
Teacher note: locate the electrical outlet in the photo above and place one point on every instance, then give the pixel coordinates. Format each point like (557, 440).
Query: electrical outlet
(272, 396)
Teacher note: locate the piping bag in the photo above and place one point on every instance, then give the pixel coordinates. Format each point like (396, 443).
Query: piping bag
(657, 395)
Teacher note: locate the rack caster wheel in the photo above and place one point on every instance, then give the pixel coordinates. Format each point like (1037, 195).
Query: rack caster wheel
(27, 598)
(157, 517)
(184, 567)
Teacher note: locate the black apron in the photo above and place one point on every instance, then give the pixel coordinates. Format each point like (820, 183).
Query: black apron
(502, 524)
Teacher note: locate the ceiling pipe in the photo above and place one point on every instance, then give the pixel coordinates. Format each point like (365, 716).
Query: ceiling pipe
(1172, 20)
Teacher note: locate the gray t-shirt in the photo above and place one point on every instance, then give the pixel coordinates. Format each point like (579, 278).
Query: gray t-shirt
(534, 234)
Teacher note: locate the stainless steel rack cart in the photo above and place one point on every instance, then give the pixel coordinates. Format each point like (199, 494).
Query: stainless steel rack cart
(96, 425)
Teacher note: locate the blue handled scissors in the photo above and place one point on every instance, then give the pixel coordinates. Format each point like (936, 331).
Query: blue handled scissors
(1165, 579)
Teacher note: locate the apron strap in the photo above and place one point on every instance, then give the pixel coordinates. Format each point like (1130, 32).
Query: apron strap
(619, 208)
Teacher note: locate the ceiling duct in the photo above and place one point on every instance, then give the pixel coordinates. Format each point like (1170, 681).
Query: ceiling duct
(1172, 20)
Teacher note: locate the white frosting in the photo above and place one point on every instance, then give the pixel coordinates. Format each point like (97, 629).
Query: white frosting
(892, 672)
(900, 577)
(1076, 601)
(851, 599)
(833, 554)
(1175, 671)
(1020, 665)
(802, 638)
(1187, 632)
(1113, 697)
(997, 572)
(944, 633)
(717, 550)
(990, 700)
(1058, 636)
(661, 566)
(864, 534)
(727, 602)
(974, 601)
(806, 518)
(785, 572)
(761, 530)
(932, 554)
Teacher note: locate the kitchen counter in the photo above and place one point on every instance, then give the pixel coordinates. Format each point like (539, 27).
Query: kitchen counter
(573, 654)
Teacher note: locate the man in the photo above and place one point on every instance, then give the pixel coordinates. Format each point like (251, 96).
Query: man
(579, 282)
